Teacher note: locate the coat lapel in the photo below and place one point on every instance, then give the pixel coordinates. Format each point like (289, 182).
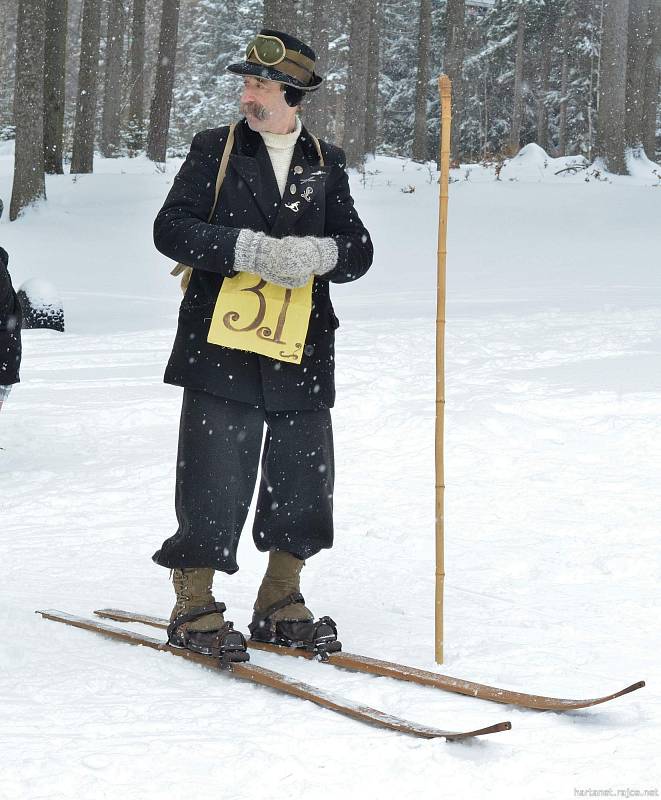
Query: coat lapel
(261, 185)
(305, 189)
(306, 181)
(252, 163)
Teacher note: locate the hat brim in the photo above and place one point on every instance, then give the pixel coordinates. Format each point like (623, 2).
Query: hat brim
(273, 74)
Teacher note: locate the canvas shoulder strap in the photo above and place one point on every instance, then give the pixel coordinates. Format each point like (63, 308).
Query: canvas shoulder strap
(318, 146)
(222, 169)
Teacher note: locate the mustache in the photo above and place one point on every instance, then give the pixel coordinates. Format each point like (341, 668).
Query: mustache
(255, 109)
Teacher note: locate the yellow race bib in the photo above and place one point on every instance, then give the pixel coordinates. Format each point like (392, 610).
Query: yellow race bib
(252, 314)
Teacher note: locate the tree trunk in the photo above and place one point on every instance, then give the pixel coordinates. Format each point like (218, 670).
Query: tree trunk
(564, 88)
(8, 19)
(316, 106)
(271, 14)
(372, 98)
(637, 44)
(136, 122)
(544, 75)
(82, 158)
(652, 83)
(354, 115)
(5, 68)
(609, 144)
(54, 74)
(594, 80)
(485, 123)
(282, 15)
(454, 62)
(517, 110)
(159, 119)
(112, 95)
(29, 180)
(420, 122)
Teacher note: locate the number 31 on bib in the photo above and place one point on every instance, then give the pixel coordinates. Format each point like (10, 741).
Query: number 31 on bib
(260, 317)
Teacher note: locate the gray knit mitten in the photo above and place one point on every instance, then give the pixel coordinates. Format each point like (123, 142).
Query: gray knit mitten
(288, 262)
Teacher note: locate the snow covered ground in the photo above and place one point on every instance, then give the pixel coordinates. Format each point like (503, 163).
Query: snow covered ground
(553, 465)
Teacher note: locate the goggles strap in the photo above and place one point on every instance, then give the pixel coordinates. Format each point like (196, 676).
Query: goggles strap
(292, 64)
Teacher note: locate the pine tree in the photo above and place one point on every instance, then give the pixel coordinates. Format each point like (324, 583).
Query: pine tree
(491, 72)
(8, 16)
(542, 35)
(282, 15)
(610, 140)
(112, 94)
(455, 28)
(399, 38)
(419, 148)
(354, 115)
(214, 34)
(316, 106)
(54, 74)
(135, 130)
(372, 94)
(29, 180)
(82, 158)
(583, 47)
(639, 37)
(651, 104)
(159, 118)
(335, 90)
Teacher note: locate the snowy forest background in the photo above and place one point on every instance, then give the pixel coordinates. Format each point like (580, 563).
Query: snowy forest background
(578, 77)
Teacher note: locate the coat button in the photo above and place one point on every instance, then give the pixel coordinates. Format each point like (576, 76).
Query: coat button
(308, 350)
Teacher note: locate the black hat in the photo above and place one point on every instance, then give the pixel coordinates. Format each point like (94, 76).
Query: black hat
(276, 56)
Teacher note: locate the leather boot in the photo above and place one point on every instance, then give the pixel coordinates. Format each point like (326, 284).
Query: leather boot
(197, 621)
(280, 614)
(193, 590)
(282, 578)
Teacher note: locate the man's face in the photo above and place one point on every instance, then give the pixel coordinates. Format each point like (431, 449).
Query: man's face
(264, 107)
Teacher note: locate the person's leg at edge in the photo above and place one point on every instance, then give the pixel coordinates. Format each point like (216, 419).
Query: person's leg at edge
(217, 461)
(294, 517)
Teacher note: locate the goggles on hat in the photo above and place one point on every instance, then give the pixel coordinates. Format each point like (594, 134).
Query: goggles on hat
(268, 50)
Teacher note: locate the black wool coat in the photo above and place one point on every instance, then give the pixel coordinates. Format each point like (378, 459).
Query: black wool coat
(249, 198)
(10, 326)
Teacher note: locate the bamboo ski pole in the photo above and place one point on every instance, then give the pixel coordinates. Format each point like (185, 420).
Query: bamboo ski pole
(445, 90)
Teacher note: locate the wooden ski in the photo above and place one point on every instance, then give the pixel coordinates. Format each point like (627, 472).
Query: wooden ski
(277, 681)
(373, 666)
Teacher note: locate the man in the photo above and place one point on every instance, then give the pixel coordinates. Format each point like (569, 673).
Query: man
(10, 328)
(285, 214)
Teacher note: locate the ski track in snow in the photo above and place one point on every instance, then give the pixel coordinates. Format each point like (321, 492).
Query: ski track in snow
(552, 465)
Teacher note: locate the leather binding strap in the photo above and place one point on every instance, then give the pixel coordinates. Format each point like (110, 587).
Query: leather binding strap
(261, 616)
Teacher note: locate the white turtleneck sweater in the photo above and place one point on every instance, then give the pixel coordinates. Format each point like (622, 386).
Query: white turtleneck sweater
(280, 147)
